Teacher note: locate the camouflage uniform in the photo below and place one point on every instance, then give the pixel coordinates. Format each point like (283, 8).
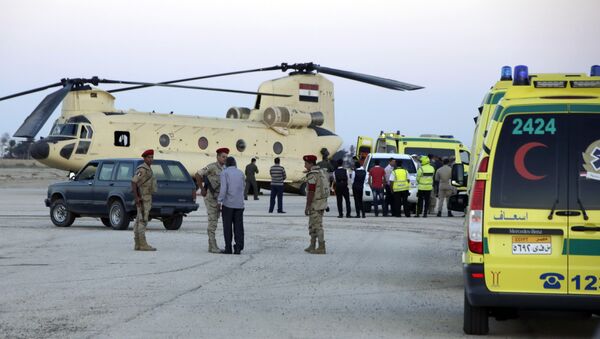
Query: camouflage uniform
(146, 183)
(319, 203)
(212, 172)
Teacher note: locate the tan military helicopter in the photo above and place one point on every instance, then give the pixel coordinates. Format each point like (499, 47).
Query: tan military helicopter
(293, 116)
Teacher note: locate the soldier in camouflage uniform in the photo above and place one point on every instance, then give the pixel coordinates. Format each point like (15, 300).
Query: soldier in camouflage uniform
(209, 180)
(143, 184)
(316, 203)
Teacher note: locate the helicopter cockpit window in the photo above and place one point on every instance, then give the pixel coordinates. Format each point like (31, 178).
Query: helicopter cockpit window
(122, 139)
(86, 132)
(69, 130)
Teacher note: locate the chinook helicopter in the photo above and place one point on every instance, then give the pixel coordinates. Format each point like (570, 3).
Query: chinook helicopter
(293, 116)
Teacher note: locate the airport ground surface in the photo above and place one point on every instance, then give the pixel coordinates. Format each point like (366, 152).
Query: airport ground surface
(381, 277)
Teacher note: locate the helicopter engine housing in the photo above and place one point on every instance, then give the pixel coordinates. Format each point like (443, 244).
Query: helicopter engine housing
(281, 116)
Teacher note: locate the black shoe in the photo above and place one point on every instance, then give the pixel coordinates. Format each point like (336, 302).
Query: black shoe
(364, 216)
(348, 216)
(237, 252)
(340, 216)
(439, 214)
(246, 198)
(256, 198)
(280, 212)
(416, 215)
(358, 216)
(225, 251)
(450, 214)
(424, 215)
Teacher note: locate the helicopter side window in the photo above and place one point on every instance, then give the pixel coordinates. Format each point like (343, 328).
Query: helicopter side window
(90, 131)
(84, 133)
(122, 139)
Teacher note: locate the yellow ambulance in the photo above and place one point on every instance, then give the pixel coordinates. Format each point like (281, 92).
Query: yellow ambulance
(533, 223)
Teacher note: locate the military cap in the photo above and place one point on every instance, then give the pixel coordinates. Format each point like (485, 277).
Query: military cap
(147, 153)
(223, 150)
(310, 158)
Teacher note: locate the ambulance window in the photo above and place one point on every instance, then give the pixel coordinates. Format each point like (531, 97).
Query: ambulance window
(530, 162)
(440, 152)
(497, 97)
(585, 153)
(464, 157)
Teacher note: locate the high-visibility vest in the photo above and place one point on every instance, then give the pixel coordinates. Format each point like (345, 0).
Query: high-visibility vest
(401, 182)
(425, 177)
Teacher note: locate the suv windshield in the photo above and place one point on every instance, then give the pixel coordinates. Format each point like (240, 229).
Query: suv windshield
(541, 159)
(408, 164)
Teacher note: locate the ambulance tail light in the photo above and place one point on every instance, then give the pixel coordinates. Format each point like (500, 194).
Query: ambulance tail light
(595, 72)
(475, 228)
(506, 73)
(521, 77)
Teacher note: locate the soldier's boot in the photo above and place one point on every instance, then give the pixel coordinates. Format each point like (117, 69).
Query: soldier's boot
(311, 247)
(212, 246)
(136, 238)
(144, 245)
(320, 249)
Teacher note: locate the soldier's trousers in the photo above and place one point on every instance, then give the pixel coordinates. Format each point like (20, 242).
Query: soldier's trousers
(141, 220)
(212, 210)
(444, 195)
(315, 225)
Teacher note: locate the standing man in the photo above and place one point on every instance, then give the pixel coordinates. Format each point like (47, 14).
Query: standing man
(400, 185)
(316, 202)
(209, 181)
(251, 171)
(277, 178)
(143, 184)
(376, 181)
(341, 189)
(358, 185)
(232, 206)
(445, 189)
(389, 197)
(425, 186)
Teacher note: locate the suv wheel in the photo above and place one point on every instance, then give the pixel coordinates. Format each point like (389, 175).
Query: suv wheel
(173, 223)
(60, 215)
(118, 217)
(475, 319)
(106, 222)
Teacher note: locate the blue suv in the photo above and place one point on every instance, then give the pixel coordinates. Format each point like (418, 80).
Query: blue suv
(102, 188)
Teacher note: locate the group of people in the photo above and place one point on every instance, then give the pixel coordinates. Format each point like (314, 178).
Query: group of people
(224, 188)
(390, 187)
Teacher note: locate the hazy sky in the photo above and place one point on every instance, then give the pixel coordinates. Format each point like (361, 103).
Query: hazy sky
(453, 48)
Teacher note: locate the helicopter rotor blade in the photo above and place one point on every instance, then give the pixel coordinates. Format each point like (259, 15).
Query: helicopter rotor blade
(36, 120)
(149, 84)
(272, 68)
(369, 79)
(30, 91)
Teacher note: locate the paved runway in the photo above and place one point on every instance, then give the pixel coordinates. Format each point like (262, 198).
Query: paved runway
(381, 278)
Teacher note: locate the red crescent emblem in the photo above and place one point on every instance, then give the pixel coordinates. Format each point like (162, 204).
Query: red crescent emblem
(519, 161)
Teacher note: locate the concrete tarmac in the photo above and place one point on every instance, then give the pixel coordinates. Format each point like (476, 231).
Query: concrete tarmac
(381, 278)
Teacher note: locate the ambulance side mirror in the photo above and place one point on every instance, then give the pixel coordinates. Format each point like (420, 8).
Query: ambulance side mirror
(458, 175)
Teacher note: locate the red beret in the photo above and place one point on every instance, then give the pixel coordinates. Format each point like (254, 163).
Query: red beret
(223, 150)
(310, 158)
(147, 152)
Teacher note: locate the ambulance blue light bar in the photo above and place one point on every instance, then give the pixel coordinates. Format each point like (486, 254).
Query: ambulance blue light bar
(506, 73)
(595, 72)
(521, 77)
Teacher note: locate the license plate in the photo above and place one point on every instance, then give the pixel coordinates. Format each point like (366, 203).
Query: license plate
(535, 245)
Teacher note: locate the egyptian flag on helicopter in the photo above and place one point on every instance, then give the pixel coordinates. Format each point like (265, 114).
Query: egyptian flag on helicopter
(309, 92)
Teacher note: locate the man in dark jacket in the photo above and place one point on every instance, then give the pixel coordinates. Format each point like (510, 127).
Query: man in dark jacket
(341, 189)
(250, 172)
(358, 184)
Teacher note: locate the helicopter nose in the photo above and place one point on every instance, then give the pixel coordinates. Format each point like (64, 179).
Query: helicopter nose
(39, 150)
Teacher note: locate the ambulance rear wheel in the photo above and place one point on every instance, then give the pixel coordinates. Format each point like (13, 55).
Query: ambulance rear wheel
(475, 319)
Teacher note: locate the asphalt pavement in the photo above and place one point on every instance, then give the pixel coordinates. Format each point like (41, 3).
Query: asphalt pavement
(381, 278)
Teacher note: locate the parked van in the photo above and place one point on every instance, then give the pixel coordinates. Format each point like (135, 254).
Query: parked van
(533, 224)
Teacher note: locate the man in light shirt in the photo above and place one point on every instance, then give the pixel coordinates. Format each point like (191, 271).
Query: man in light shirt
(231, 204)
